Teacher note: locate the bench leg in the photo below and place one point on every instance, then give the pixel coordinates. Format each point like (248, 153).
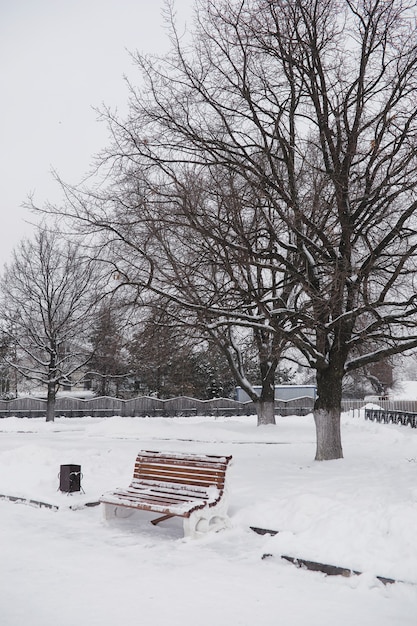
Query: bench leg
(205, 521)
(161, 519)
(110, 511)
(107, 510)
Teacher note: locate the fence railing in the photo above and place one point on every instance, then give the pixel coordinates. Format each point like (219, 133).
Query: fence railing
(392, 416)
(143, 406)
(409, 406)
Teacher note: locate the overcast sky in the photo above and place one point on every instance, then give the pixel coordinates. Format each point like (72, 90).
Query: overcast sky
(58, 60)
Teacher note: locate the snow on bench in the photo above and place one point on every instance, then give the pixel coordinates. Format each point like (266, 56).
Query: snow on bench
(191, 486)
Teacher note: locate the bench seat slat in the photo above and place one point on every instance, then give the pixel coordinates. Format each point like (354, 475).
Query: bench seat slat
(169, 487)
(169, 468)
(183, 458)
(161, 503)
(175, 467)
(177, 494)
(179, 480)
(174, 495)
(157, 497)
(173, 460)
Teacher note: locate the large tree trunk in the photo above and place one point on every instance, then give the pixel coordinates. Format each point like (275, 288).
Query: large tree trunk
(327, 411)
(50, 402)
(265, 410)
(265, 404)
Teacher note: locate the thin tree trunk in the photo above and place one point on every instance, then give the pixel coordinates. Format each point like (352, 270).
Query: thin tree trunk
(50, 403)
(265, 405)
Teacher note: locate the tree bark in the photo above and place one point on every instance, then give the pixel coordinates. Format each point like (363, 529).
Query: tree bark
(50, 403)
(265, 410)
(327, 415)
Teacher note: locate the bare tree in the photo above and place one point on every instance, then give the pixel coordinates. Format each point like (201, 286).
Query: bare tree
(48, 303)
(205, 246)
(309, 108)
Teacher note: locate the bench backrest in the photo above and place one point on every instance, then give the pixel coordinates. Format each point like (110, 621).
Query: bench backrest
(186, 469)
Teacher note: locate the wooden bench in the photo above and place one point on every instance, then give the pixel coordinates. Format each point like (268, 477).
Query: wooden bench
(191, 486)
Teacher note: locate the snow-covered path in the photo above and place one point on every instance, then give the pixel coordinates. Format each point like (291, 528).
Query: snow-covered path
(66, 567)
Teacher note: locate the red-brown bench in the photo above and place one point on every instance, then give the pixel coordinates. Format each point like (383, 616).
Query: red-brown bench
(191, 486)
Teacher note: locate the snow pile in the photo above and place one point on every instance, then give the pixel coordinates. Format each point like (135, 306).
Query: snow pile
(68, 567)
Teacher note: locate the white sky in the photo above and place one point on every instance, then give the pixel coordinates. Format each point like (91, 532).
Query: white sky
(58, 60)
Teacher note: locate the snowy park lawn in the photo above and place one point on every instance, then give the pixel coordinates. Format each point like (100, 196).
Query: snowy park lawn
(68, 567)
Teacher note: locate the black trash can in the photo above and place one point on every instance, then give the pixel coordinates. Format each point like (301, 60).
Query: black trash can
(70, 478)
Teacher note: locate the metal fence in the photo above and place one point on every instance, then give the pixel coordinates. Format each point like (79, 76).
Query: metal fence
(409, 406)
(392, 416)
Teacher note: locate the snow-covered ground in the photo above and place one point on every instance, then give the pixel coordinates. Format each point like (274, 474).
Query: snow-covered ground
(69, 568)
